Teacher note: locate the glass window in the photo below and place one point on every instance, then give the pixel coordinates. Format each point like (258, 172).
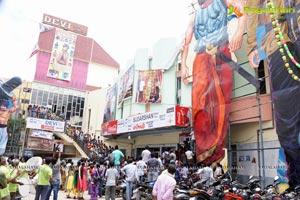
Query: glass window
(69, 107)
(74, 102)
(68, 116)
(77, 109)
(33, 96)
(65, 99)
(40, 97)
(81, 113)
(82, 103)
(70, 98)
(55, 98)
(25, 101)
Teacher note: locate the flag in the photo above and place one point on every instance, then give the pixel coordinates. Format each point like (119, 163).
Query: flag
(35, 50)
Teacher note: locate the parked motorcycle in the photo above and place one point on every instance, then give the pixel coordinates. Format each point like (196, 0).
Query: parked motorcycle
(143, 191)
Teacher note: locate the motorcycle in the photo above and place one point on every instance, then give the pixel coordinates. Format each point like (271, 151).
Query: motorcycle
(143, 191)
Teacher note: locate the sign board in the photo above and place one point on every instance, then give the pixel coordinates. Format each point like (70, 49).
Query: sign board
(150, 120)
(40, 144)
(44, 124)
(41, 134)
(64, 24)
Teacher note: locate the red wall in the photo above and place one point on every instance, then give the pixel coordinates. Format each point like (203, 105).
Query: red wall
(78, 78)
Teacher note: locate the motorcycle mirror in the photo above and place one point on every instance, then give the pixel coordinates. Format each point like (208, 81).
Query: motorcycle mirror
(276, 178)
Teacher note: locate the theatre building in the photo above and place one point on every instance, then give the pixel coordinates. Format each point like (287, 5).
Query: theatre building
(145, 106)
(69, 66)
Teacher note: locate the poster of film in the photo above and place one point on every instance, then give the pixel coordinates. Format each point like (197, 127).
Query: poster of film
(126, 85)
(149, 86)
(111, 99)
(62, 55)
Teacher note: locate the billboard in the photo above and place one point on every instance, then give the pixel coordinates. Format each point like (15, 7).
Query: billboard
(44, 124)
(126, 85)
(110, 108)
(149, 86)
(62, 55)
(145, 121)
(171, 116)
(40, 144)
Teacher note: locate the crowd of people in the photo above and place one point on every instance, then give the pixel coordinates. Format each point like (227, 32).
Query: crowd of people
(44, 112)
(100, 176)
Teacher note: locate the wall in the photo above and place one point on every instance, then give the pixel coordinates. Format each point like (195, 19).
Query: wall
(247, 133)
(101, 75)
(96, 102)
(158, 60)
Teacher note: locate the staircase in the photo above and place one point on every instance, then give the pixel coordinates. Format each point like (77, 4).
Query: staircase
(66, 138)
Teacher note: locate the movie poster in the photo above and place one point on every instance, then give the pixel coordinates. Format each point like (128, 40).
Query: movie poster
(110, 108)
(62, 55)
(126, 84)
(149, 86)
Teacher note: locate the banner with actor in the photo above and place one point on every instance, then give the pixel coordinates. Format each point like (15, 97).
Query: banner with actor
(62, 55)
(149, 86)
(126, 85)
(111, 99)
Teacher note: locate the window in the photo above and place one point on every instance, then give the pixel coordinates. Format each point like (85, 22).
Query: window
(25, 89)
(40, 97)
(25, 101)
(33, 96)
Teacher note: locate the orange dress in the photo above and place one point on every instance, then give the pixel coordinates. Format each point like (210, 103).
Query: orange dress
(82, 179)
(212, 86)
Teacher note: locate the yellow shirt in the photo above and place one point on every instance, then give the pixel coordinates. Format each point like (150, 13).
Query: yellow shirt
(5, 191)
(13, 187)
(44, 172)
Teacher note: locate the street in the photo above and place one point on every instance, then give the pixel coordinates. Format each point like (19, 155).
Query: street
(62, 196)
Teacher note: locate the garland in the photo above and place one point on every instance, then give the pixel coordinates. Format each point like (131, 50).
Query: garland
(282, 44)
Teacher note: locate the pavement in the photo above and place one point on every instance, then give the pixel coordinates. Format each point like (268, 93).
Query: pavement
(62, 196)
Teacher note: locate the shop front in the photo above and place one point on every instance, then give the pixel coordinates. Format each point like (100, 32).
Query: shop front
(160, 130)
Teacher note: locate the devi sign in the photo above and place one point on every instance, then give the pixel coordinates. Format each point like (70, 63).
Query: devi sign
(42, 124)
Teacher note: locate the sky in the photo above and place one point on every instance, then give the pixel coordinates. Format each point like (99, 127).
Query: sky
(120, 27)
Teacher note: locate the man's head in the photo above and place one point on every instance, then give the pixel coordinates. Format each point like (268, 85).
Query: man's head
(48, 160)
(15, 162)
(171, 169)
(116, 147)
(3, 161)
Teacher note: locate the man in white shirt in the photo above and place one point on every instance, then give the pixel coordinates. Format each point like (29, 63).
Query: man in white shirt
(146, 154)
(207, 174)
(130, 171)
(141, 168)
(190, 157)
